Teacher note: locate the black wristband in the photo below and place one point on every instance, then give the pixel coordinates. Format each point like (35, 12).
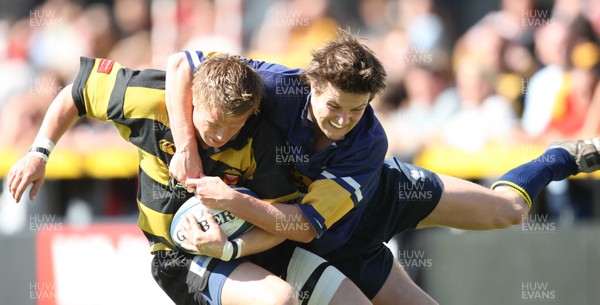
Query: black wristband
(40, 150)
(235, 247)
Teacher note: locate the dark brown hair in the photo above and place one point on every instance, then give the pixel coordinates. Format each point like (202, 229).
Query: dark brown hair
(348, 65)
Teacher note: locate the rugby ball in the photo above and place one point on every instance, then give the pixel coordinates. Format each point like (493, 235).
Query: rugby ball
(230, 224)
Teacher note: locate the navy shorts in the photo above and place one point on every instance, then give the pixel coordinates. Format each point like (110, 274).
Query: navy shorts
(406, 195)
(189, 279)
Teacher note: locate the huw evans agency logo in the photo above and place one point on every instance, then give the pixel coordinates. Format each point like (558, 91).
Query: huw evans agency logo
(290, 154)
(414, 259)
(537, 223)
(414, 190)
(537, 291)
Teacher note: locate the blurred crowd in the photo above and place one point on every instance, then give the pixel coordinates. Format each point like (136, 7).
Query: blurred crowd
(462, 74)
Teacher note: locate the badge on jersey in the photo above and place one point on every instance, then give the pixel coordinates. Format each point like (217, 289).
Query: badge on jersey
(105, 66)
(231, 179)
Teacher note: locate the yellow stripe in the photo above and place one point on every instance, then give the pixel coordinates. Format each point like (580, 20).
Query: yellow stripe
(155, 223)
(241, 159)
(300, 179)
(97, 91)
(124, 130)
(154, 167)
(516, 188)
(146, 103)
(330, 199)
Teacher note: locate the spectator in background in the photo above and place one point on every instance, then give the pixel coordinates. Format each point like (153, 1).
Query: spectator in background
(484, 117)
(428, 106)
(543, 89)
(424, 27)
(97, 30)
(210, 25)
(584, 15)
(393, 48)
(56, 42)
(132, 16)
(15, 71)
(134, 47)
(417, 35)
(23, 112)
(559, 95)
(375, 17)
(572, 108)
(503, 41)
(291, 30)
(571, 115)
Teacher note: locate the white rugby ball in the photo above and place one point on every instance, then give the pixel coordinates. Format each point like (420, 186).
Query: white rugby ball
(230, 224)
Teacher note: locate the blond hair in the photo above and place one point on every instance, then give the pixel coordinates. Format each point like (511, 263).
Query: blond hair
(229, 84)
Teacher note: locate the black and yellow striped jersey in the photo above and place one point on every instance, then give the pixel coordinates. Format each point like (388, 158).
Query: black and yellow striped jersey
(134, 101)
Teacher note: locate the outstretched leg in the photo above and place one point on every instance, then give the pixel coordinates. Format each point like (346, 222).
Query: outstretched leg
(465, 205)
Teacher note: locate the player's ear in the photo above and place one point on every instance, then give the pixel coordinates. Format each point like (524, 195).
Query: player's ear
(316, 87)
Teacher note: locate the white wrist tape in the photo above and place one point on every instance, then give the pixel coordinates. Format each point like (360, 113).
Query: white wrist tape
(42, 147)
(44, 143)
(231, 250)
(227, 251)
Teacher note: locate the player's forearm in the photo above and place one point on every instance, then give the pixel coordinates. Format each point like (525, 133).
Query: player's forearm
(61, 115)
(258, 240)
(284, 220)
(178, 98)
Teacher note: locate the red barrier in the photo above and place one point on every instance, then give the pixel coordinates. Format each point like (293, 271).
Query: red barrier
(97, 264)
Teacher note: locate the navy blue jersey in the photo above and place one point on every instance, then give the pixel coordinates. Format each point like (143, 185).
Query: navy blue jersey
(339, 180)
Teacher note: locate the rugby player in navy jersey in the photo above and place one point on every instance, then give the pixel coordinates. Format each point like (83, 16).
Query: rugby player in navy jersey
(233, 143)
(353, 202)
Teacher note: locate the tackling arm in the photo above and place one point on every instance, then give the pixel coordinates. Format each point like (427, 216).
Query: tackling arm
(257, 241)
(178, 97)
(285, 220)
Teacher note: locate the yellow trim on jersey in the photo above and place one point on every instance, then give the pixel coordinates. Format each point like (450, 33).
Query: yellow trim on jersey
(155, 223)
(154, 167)
(518, 189)
(137, 104)
(331, 200)
(97, 97)
(124, 130)
(238, 158)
